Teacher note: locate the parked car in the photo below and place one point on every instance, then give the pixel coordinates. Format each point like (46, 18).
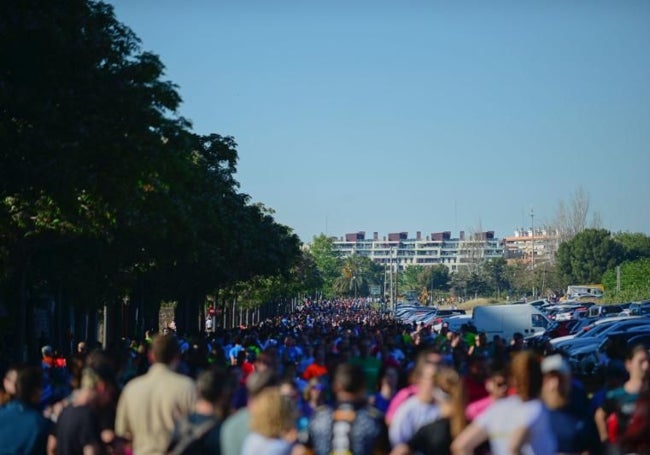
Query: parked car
(590, 358)
(600, 333)
(593, 325)
(454, 322)
(639, 308)
(560, 328)
(571, 312)
(599, 311)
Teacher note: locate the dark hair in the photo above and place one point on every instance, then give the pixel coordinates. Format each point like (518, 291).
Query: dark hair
(421, 360)
(165, 349)
(497, 368)
(28, 383)
(214, 384)
(634, 350)
(349, 378)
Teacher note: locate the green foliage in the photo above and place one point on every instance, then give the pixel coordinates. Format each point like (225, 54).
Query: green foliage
(495, 275)
(636, 245)
(419, 278)
(635, 282)
(469, 283)
(412, 278)
(304, 277)
(104, 188)
(356, 275)
(586, 257)
(519, 277)
(438, 278)
(327, 260)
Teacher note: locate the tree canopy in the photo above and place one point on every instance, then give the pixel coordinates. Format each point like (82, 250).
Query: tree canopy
(635, 281)
(636, 245)
(588, 255)
(327, 260)
(357, 274)
(104, 187)
(419, 278)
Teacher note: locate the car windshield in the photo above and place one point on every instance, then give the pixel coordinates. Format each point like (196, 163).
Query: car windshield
(594, 330)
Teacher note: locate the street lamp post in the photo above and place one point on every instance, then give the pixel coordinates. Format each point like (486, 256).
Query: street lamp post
(532, 248)
(390, 262)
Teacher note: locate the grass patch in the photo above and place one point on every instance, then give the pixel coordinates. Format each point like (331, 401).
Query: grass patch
(471, 304)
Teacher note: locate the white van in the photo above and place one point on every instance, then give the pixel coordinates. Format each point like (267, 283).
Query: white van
(506, 320)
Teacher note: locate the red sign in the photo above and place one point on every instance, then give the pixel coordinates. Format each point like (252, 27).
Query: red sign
(211, 311)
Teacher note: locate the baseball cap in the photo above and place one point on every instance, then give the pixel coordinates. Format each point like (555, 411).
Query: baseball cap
(556, 363)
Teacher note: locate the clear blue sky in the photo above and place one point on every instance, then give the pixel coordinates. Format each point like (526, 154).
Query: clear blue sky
(424, 115)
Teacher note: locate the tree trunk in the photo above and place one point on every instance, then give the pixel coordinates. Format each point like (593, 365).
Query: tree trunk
(23, 350)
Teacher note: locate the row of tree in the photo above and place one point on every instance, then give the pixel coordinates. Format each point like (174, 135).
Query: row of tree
(590, 256)
(108, 199)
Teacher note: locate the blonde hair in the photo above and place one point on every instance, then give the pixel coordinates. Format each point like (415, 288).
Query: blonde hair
(89, 379)
(272, 414)
(451, 384)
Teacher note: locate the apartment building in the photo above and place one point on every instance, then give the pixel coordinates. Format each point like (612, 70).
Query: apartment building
(531, 246)
(397, 250)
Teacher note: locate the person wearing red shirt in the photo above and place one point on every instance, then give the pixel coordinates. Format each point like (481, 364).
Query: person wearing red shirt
(317, 368)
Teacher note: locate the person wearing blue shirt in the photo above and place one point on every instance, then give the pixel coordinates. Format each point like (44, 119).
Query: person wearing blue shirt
(23, 429)
(234, 351)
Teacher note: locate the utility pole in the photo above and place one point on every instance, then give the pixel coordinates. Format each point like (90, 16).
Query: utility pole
(390, 259)
(532, 229)
(385, 277)
(532, 248)
(396, 276)
(432, 302)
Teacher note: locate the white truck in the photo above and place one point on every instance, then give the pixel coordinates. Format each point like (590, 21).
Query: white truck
(506, 320)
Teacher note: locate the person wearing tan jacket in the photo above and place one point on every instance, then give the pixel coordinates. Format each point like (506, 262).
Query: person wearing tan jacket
(151, 404)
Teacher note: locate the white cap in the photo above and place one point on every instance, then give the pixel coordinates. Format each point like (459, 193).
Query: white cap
(556, 363)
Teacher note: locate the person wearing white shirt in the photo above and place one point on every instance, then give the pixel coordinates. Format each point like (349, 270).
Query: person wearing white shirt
(416, 411)
(517, 424)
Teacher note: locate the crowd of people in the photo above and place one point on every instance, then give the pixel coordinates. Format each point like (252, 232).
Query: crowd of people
(335, 377)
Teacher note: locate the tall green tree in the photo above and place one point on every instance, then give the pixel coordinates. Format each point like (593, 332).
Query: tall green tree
(519, 278)
(495, 276)
(357, 274)
(636, 245)
(413, 278)
(635, 281)
(305, 278)
(418, 278)
(105, 191)
(328, 261)
(469, 283)
(438, 278)
(586, 257)
(84, 115)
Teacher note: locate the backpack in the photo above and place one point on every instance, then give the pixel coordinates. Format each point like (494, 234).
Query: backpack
(342, 421)
(188, 435)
